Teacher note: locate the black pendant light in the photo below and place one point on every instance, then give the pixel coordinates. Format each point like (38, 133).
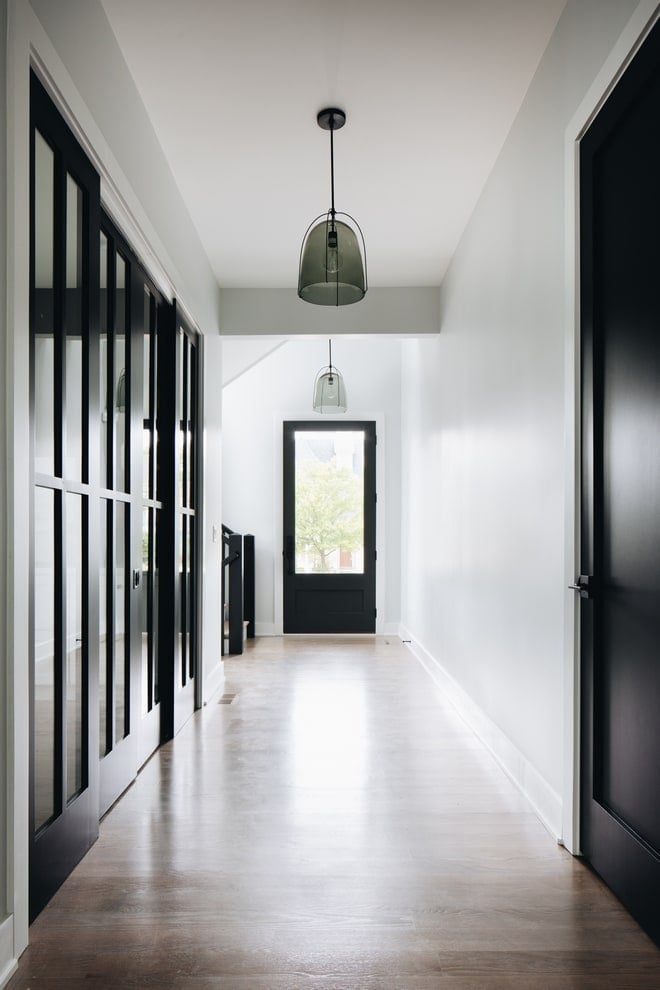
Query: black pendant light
(333, 258)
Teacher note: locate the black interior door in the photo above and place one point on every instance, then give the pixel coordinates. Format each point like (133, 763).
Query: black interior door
(64, 390)
(329, 552)
(129, 702)
(95, 664)
(620, 610)
(179, 489)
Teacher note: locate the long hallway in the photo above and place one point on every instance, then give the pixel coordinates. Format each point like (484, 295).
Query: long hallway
(329, 822)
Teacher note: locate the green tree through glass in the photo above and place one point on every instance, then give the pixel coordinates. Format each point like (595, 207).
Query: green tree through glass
(329, 515)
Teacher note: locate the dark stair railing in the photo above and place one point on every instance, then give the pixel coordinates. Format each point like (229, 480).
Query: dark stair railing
(237, 589)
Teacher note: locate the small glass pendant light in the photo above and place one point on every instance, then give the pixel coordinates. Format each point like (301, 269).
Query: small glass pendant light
(332, 271)
(329, 389)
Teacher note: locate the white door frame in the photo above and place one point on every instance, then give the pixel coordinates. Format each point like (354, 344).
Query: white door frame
(630, 40)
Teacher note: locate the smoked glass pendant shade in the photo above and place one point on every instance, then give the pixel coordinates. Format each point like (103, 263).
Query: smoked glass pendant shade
(329, 389)
(333, 257)
(332, 271)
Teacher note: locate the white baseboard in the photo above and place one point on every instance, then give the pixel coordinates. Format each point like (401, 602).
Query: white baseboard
(213, 682)
(390, 629)
(267, 629)
(544, 800)
(8, 964)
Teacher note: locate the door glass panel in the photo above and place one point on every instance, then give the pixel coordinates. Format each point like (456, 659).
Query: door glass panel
(73, 324)
(145, 610)
(74, 643)
(190, 597)
(329, 502)
(104, 645)
(121, 388)
(180, 440)
(103, 359)
(146, 399)
(180, 668)
(43, 317)
(121, 621)
(188, 493)
(44, 655)
(154, 622)
(155, 414)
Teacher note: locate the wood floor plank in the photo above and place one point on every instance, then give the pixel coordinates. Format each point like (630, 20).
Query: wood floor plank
(334, 825)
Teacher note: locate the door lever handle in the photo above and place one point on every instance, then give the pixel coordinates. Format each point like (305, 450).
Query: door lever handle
(289, 555)
(583, 584)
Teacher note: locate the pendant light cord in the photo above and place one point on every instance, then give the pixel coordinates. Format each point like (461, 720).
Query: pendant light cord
(330, 353)
(332, 169)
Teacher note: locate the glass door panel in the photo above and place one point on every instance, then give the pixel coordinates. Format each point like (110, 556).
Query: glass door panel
(121, 614)
(105, 625)
(73, 357)
(329, 502)
(43, 306)
(121, 389)
(75, 700)
(44, 657)
(104, 366)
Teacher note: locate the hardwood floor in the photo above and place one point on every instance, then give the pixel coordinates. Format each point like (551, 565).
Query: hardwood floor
(333, 825)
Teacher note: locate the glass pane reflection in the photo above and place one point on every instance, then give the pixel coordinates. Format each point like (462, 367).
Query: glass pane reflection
(103, 628)
(74, 644)
(121, 620)
(329, 502)
(44, 340)
(121, 388)
(73, 396)
(44, 655)
(145, 610)
(329, 745)
(103, 359)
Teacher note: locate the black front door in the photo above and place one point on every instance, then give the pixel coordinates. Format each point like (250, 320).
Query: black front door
(620, 554)
(329, 527)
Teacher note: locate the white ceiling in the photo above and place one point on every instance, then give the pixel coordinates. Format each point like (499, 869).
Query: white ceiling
(430, 89)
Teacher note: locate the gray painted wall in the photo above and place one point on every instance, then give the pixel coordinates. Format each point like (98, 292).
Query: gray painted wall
(484, 421)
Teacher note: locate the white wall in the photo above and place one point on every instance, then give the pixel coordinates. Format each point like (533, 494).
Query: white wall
(280, 388)
(483, 434)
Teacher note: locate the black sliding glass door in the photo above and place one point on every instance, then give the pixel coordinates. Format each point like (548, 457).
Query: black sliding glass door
(113, 379)
(64, 553)
(129, 516)
(179, 481)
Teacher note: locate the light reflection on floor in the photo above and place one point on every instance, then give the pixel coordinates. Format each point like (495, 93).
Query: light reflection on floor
(328, 740)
